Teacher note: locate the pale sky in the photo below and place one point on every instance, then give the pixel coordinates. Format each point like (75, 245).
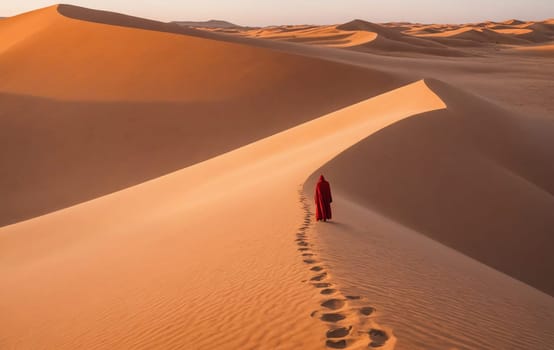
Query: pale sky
(267, 12)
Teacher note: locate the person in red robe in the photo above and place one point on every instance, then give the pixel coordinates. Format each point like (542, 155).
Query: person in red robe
(323, 200)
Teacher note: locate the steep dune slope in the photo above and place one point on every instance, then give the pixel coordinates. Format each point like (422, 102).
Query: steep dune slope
(202, 258)
(474, 177)
(99, 101)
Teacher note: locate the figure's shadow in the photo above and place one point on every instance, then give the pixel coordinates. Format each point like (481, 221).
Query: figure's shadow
(338, 224)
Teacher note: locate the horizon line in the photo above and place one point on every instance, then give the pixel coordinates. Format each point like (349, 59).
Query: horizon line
(296, 23)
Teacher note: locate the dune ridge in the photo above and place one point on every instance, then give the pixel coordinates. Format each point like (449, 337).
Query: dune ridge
(164, 239)
(507, 194)
(474, 177)
(168, 98)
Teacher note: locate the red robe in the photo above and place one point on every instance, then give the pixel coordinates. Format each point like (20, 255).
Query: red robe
(323, 200)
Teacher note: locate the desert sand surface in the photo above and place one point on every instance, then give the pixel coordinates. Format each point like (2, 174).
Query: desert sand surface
(157, 183)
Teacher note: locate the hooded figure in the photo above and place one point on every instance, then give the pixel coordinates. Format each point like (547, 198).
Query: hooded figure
(323, 200)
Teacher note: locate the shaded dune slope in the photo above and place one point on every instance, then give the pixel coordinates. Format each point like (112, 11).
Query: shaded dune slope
(132, 99)
(474, 177)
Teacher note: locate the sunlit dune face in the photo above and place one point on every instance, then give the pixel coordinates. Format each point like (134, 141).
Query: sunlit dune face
(514, 31)
(130, 67)
(452, 32)
(136, 64)
(536, 50)
(16, 29)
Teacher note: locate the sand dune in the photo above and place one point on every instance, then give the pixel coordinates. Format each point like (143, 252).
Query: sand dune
(393, 40)
(170, 100)
(397, 38)
(515, 31)
(161, 246)
(512, 22)
(213, 23)
(474, 177)
(536, 50)
(330, 36)
(508, 32)
(119, 79)
(155, 191)
(356, 35)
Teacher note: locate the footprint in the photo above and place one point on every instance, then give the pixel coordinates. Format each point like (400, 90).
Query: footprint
(302, 244)
(336, 344)
(353, 297)
(332, 317)
(303, 249)
(367, 310)
(378, 338)
(316, 268)
(322, 285)
(319, 277)
(309, 261)
(333, 304)
(328, 291)
(307, 254)
(338, 332)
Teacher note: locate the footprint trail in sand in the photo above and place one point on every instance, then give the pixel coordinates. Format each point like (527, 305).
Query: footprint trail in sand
(349, 319)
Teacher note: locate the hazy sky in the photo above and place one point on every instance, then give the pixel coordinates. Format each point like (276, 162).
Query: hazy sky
(266, 12)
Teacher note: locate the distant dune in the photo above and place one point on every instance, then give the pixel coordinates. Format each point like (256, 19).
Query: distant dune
(399, 38)
(330, 36)
(213, 23)
(537, 50)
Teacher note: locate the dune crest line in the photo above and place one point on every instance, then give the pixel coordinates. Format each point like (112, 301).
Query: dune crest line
(153, 257)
